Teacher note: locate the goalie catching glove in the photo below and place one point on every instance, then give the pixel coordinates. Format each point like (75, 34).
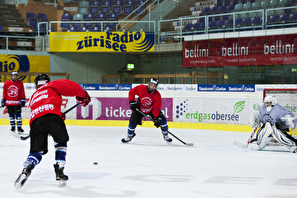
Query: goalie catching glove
(84, 101)
(256, 121)
(288, 120)
(157, 121)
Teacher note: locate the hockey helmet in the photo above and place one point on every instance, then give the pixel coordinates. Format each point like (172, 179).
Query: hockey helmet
(41, 79)
(14, 78)
(271, 99)
(14, 73)
(153, 81)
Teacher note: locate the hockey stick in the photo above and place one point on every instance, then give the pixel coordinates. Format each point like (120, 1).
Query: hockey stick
(24, 137)
(147, 116)
(244, 146)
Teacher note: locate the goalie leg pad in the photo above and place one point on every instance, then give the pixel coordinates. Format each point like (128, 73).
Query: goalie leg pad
(284, 138)
(264, 136)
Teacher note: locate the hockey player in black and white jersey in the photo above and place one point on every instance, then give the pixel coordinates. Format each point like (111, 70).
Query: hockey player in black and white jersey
(276, 123)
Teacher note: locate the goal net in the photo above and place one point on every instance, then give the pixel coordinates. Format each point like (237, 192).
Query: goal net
(286, 98)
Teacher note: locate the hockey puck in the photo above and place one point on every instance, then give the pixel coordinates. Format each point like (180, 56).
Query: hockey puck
(95, 163)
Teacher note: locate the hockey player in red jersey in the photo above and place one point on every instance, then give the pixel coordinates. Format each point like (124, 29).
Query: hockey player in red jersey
(46, 119)
(14, 98)
(149, 102)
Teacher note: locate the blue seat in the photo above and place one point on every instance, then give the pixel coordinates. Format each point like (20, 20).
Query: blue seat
(95, 3)
(293, 17)
(230, 7)
(196, 26)
(206, 10)
(188, 27)
(100, 17)
(202, 26)
(140, 7)
(222, 9)
(214, 10)
(237, 22)
(128, 7)
(272, 19)
(83, 29)
(229, 23)
(117, 7)
(95, 29)
(32, 22)
(220, 24)
(107, 29)
(66, 17)
(255, 20)
(88, 17)
(94, 10)
(212, 25)
(246, 21)
(105, 7)
(72, 29)
(42, 17)
(112, 17)
(30, 15)
(283, 18)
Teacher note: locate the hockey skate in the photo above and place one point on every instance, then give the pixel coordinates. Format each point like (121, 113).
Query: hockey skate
(12, 129)
(20, 130)
(20, 181)
(60, 177)
(128, 138)
(167, 138)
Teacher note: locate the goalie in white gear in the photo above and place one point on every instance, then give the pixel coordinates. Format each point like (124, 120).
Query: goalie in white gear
(276, 122)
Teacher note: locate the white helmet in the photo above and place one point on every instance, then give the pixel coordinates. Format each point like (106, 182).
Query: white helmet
(271, 99)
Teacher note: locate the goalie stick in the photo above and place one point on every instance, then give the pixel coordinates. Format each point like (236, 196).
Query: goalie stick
(244, 146)
(147, 116)
(24, 137)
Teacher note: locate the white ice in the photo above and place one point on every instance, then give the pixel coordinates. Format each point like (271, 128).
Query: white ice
(148, 167)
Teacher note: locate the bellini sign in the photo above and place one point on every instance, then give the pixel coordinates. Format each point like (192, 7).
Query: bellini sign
(246, 51)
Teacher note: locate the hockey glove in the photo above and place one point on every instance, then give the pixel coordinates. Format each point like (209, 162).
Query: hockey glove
(157, 122)
(3, 102)
(84, 101)
(23, 102)
(288, 120)
(133, 105)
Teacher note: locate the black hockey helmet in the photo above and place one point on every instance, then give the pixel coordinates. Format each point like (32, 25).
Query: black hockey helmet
(41, 79)
(153, 81)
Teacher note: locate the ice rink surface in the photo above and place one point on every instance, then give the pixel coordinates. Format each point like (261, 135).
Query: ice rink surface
(148, 167)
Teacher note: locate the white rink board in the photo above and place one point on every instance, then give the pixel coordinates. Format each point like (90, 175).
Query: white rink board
(188, 105)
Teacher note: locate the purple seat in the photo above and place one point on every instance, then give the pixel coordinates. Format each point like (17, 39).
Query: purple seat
(88, 17)
(140, 7)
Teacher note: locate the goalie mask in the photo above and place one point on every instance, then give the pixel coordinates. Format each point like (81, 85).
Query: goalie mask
(41, 79)
(269, 102)
(152, 82)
